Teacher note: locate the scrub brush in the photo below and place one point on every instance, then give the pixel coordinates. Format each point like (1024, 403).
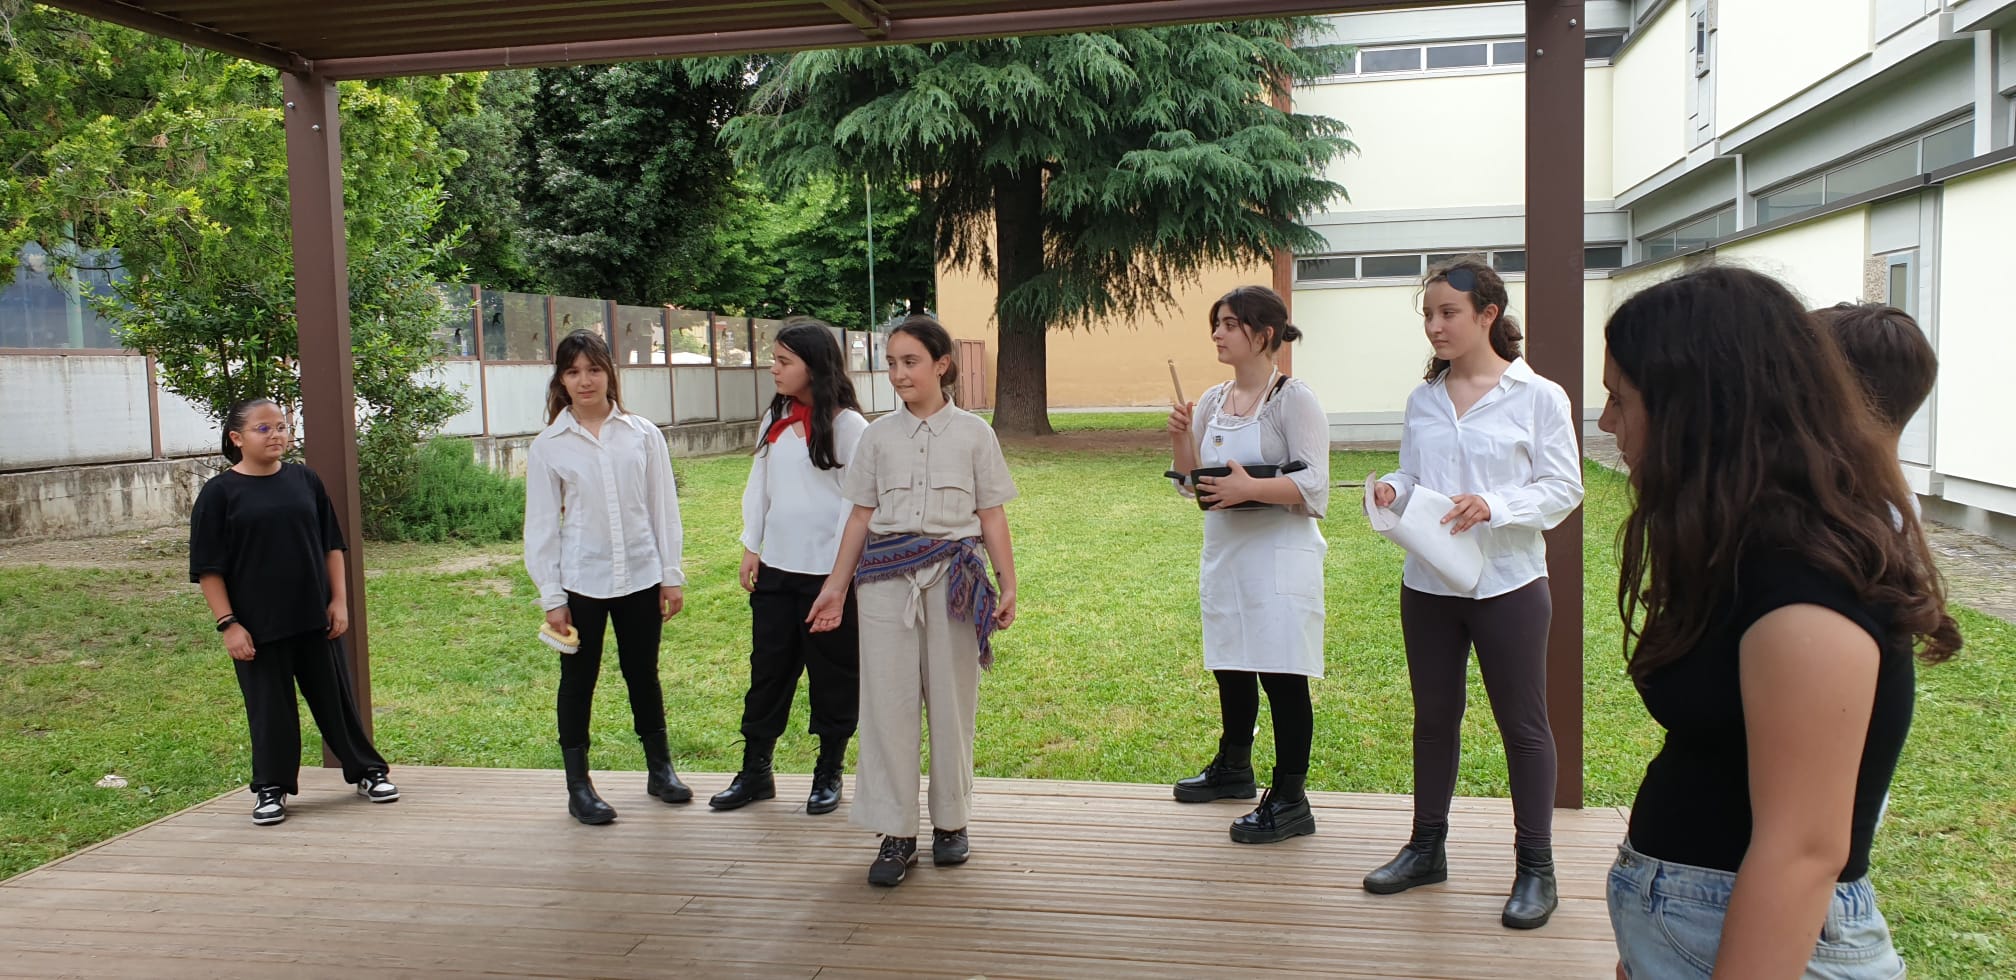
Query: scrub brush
(567, 642)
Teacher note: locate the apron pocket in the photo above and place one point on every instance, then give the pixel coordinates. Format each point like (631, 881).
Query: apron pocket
(1298, 572)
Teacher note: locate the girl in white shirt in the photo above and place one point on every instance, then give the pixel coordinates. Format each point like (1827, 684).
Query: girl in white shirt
(602, 543)
(1499, 440)
(792, 515)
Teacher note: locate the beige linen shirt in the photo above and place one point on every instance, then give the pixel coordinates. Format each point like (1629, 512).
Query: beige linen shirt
(928, 476)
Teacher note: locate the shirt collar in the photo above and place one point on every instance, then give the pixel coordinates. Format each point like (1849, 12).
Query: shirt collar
(937, 423)
(566, 420)
(1518, 372)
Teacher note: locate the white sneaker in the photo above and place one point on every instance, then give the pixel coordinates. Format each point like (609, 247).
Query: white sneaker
(376, 788)
(271, 807)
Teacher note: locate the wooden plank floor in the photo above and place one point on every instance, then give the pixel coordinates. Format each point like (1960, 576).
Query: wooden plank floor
(481, 872)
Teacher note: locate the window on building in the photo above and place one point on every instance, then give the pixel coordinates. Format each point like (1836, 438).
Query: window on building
(1390, 59)
(1508, 53)
(1689, 234)
(1326, 269)
(1390, 266)
(1888, 167)
(43, 307)
(1601, 47)
(1603, 257)
(1509, 260)
(1949, 146)
(1803, 196)
(1459, 55)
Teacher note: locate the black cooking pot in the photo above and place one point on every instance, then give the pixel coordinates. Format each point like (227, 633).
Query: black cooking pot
(1260, 471)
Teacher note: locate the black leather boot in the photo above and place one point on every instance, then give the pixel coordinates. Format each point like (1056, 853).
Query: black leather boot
(1424, 861)
(1282, 813)
(1229, 776)
(1533, 893)
(825, 796)
(582, 802)
(659, 779)
(753, 783)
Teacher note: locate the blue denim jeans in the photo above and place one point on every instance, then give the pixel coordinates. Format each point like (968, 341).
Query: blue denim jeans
(1668, 920)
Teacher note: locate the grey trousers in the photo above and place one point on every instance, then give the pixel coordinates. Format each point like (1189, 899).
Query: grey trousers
(915, 661)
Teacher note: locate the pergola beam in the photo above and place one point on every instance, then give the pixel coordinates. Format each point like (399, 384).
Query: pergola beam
(873, 24)
(188, 32)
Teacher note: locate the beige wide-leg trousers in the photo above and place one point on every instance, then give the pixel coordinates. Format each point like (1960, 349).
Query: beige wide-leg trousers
(915, 659)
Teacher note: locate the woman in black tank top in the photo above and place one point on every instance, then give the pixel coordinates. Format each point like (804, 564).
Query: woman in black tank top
(1771, 608)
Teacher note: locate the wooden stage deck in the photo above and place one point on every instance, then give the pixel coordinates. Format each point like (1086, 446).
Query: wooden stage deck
(481, 872)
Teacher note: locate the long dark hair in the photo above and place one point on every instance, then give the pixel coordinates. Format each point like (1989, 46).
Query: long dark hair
(1487, 288)
(1258, 308)
(811, 341)
(937, 342)
(583, 341)
(1756, 438)
(234, 421)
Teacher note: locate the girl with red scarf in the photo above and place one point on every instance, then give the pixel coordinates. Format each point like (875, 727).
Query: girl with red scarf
(792, 515)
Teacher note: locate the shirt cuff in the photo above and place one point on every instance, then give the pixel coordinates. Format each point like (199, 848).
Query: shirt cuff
(1501, 512)
(674, 578)
(552, 602)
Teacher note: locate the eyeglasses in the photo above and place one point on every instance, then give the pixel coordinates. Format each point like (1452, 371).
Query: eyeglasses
(268, 429)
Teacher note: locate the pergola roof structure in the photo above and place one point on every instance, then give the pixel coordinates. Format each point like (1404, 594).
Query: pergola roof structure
(316, 45)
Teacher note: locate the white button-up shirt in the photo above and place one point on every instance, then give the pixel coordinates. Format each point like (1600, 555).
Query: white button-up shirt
(1516, 448)
(601, 514)
(792, 511)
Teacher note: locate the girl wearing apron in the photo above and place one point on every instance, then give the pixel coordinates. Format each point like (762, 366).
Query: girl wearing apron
(1260, 585)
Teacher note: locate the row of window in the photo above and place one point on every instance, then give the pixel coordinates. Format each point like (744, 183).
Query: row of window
(1917, 156)
(1412, 265)
(1472, 54)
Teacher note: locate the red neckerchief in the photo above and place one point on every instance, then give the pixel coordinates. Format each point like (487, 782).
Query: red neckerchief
(800, 412)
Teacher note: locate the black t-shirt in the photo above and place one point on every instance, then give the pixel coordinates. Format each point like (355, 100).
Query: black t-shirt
(270, 537)
(1694, 805)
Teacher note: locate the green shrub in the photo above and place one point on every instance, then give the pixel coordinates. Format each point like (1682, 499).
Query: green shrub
(453, 497)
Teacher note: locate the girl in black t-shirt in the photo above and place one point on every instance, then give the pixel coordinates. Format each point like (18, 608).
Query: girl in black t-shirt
(265, 546)
(1772, 609)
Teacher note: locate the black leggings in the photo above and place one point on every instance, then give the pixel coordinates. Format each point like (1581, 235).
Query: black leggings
(1288, 699)
(1510, 634)
(637, 631)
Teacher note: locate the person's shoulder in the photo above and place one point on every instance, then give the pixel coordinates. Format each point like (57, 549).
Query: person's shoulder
(553, 428)
(301, 472)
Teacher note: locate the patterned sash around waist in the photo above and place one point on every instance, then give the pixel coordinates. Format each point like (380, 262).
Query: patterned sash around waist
(970, 596)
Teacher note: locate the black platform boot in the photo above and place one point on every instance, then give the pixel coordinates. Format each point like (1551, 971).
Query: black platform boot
(1282, 813)
(659, 780)
(1424, 861)
(825, 796)
(1533, 893)
(753, 783)
(582, 802)
(1229, 776)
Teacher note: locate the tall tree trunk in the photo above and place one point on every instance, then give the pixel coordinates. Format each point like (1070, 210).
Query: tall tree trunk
(1021, 372)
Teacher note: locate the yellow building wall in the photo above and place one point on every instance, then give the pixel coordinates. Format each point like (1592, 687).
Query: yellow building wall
(1649, 101)
(1365, 350)
(1768, 51)
(1972, 439)
(1123, 362)
(1412, 154)
(1821, 260)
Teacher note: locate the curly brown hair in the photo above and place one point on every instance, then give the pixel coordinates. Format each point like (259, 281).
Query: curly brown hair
(1756, 438)
(1487, 288)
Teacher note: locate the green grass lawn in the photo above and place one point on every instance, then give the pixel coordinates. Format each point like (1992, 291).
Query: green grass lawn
(117, 670)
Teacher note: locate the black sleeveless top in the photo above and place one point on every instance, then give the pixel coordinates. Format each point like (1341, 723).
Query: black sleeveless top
(1694, 805)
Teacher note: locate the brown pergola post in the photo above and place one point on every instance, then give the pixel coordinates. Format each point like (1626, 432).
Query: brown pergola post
(322, 314)
(1554, 138)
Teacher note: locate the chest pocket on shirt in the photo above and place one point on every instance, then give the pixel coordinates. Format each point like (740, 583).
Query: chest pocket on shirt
(950, 478)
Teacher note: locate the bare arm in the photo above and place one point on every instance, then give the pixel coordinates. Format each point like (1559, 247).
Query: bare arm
(339, 594)
(826, 610)
(1809, 686)
(237, 642)
(1001, 554)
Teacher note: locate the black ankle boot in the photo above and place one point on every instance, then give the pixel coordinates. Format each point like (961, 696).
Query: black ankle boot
(582, 802)
(825, 796)
(1229, 776)
(1533, 893)
(753, 783)
(1282, 813)
(1424, 861)
(659, 779)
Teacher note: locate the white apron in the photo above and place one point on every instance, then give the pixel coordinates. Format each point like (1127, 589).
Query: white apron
(1261, 581)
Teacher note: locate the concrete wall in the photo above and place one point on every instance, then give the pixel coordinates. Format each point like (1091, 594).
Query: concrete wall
(1768, 52)
(517, 396)
(73, 409)
(81, 500)
(506, 454)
